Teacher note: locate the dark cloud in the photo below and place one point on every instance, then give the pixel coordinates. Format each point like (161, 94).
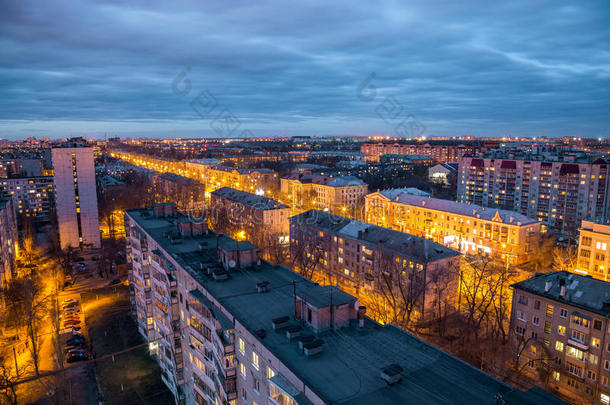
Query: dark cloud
(465, 67)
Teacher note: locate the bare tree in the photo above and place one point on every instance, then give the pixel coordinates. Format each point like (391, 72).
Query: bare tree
(305, 258)
(8, 380)
(29, 305)
(564, 258)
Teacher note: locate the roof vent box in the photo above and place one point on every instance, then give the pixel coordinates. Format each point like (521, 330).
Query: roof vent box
(281, 322)
(391, 373)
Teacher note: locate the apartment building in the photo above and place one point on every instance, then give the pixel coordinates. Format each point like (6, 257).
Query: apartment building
(259, 181)
(229, 328)
(505, 235)
(560, 327)
(441, 153)
(187, 193)
(75, 196)
(8, 242)
(33, 197)
(340, 195)
(560, 188)
(369, 261)
(249, 216)
(594, 250)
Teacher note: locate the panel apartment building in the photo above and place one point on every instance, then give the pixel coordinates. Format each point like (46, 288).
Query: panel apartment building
(594, 250)
(504, 235)
(228, 328)
(371, 262)
(242, 215)
(441, 153)
(559, 188)
(338, 195)
(32, 197)
(75, 196)
(560, 327)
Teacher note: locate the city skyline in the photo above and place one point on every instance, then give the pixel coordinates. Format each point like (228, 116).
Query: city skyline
(97, 68)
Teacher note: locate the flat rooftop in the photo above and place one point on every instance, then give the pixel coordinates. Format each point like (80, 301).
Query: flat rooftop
(348, 369)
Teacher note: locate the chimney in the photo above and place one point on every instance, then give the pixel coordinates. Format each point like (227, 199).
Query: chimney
(361, 314)
(562, 287)
(547, 286)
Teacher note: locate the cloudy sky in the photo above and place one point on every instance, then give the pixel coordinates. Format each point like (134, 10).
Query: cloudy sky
(206, 68)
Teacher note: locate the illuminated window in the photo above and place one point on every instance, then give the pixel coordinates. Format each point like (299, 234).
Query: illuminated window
(255, 360)
(242, 345)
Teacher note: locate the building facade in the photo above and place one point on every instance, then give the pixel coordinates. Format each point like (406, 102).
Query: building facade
(558, 188)
(249, 216)
(259, 181)
(507, 236)
(560, 328)
(33, 197)
(187, 193)
(76, 197)
(228, 328)
(338, 195)
(594, 250)
(441, 153)
(371, 262)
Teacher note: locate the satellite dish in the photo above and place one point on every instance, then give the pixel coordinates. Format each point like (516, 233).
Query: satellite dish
(231, 263)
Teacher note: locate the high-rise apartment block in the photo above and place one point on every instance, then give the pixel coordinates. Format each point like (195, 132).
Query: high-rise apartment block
(594, 250)
(559, 188)
(560, 328)
(339, 195)
(75, 196)
(441, 153)
(505, 235)
(33, 197)
(229, 328)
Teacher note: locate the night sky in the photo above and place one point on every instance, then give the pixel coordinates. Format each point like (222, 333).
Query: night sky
(478, 68)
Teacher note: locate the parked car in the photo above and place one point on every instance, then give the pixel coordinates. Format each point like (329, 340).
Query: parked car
(78, 357)
(77, 340)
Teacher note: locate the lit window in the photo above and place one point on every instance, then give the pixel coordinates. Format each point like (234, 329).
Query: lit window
(242, 345)
(242, 369)
(559, 346)
(270, 373)
(255, 360)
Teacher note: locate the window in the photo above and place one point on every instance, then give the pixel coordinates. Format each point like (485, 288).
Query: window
(547, 327)
(270, 373)
(546, 341)
(574, 369)
(607, 365)
(522, 300)
(242, 370)
(578, 336)
(556, 375)
(549, 310)
(520, 316)
(595, 342)
(256, 385)
(578, 320)
(559, 346)
(536, 320)
(563, 313)
(597, 324)
(604, 399)
(242, 346)
(561, 330)
(574, 352)
(255, 360)
(537, 304)
(519, 330)
(593, 359)
(606, 381)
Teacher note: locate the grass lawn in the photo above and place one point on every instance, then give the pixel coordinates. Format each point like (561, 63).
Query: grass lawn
(112, 329)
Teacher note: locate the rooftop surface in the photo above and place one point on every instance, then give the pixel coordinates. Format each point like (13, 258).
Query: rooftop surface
(581, 291)
(418, 248)
(471, 210)
(348, 369)
(248, 199)
(177, 178)
(544, 154)
(239, 170)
